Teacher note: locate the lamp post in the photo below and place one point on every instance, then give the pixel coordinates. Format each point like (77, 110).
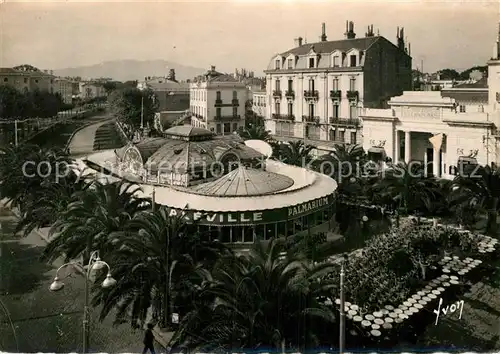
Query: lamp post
(94, 263)
(342, 306)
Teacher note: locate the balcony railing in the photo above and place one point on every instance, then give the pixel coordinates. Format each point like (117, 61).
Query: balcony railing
(283, 116)
(277, 93)
(235, 102)
(224, 118)
(354, 122)
(335, 94)
(353, 95)
(290, 94)
(311, 94)
(311, 119)
(218, 101)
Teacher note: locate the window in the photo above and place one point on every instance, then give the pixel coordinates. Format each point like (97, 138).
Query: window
(284, 129)
(311, 62)
(217, 95)
(341, 135)
(277, 64)
(290, 63)
(219, 130)
(235, 111)
(336, 62)
(311, 84)
(311, 110)
(335, 84)
(218, 112)
(5, 79)
(336, 110)
(235, 127)
(235, 95)
(481, 108)
(290, 85)
(352, 84)
(290, 108)
(277, 85)
(353, 137)
(353, 60)
(332, 135)
(462, 108)
(353, 110)
(313, 132)
(36, 81)
(277, 108)
(25, 80)
(227, 128)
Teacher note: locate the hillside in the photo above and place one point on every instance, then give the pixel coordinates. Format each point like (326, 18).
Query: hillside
(123, 70)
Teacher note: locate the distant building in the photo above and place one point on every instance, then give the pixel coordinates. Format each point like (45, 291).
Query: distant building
(64, 88)
(315, 90)
(259, 103)
(217, 102)
(26, 78)
(172, 95)
(90, 89)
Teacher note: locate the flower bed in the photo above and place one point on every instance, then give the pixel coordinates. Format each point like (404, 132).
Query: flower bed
(388, 280)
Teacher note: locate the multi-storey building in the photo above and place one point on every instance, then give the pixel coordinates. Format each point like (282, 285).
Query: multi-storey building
(64, 88)
(443, 130)
(259, 100)
(172, 95)
(217, 102)
(89, 90)
(26, 78)
(315, 90)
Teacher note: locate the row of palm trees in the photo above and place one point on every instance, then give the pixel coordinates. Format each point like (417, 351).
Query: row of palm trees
(472, 201)
(270, 298)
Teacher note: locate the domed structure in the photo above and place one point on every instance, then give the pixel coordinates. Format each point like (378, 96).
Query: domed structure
(186, 156)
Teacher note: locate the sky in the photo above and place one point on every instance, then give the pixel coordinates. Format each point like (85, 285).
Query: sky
(236, 34)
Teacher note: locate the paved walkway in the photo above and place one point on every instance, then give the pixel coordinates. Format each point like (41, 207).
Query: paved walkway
(83, 141)
(45, 321)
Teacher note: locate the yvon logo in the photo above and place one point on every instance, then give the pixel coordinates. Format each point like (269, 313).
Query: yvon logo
(451, 308)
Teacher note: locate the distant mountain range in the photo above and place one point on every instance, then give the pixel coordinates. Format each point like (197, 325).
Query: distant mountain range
(124, 70)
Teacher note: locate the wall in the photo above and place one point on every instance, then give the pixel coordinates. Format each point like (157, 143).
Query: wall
(387, 73)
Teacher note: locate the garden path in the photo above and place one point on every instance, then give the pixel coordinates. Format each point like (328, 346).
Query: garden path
(83, 140)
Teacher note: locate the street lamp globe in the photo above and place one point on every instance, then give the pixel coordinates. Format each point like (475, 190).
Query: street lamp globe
(56, 285)
(365, 218)
(109, 281)
(98, 264)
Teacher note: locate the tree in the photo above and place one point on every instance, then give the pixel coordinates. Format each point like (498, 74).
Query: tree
(262, 300)
(255, 132)
(109, 86)
(91, 216)
(449, 74)
(478, 192)
(294, 153)
(406, 188)
(127, 105)
(156, 253)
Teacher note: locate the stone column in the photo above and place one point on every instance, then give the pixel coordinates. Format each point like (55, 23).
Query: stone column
(397, 149)
(407, 146)
(436, 166)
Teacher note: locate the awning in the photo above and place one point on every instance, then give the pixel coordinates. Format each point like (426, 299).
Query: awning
(377, 150)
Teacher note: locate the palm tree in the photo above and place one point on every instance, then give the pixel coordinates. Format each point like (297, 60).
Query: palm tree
(295, 153)
(479, 192)
(406, 188)
(92, 215)
(257, 301)
(257, 132)
(24, 169)
(157, 262)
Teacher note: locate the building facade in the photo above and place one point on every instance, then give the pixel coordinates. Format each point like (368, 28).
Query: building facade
(26, 78)
(172, 95)
(217, 102)
(64, 88)
(89, 90)
(314, 91)
(259, 100)
(441, 129)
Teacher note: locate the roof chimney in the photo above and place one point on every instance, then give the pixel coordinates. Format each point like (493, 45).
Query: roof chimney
(369, 33)
(212, 68)
(298, 41)
(323, 32)
(349, 34)
(171, 75)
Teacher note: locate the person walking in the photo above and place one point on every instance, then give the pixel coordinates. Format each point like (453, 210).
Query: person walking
(149, 340)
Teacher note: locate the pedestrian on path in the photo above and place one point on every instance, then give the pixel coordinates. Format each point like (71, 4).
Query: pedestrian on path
(149, 340)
